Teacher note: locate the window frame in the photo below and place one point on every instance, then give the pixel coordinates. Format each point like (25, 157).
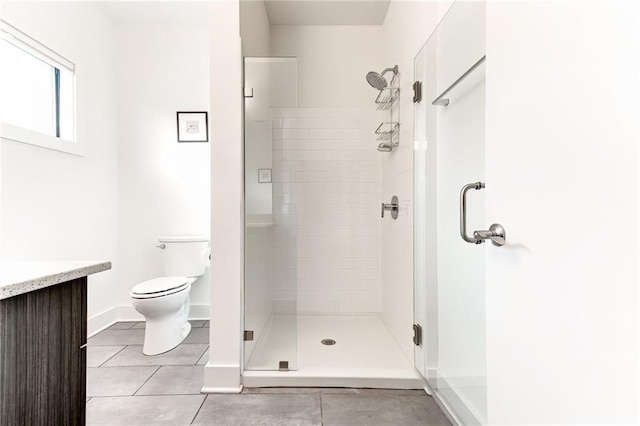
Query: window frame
(33, 47)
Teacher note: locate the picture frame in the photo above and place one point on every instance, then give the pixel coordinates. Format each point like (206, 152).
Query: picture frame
(192, 126)
(264, 175)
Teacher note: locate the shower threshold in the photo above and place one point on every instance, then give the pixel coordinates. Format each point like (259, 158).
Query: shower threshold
(365, 355)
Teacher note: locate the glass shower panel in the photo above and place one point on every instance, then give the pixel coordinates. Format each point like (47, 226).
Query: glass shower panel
(450, 272)
(270, 299)
(426, 227)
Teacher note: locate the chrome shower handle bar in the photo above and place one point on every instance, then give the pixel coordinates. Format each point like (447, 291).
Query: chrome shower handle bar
(463, 212)
(496, 232)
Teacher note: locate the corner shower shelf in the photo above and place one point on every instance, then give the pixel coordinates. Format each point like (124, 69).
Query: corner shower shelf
(387, 130)
(386, 98)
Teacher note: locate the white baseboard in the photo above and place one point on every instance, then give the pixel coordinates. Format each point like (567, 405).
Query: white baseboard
(221, 390)
(99, 322)
(428, 390)
(222, 379)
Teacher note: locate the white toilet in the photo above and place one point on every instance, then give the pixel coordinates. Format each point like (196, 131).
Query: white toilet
(164, 301)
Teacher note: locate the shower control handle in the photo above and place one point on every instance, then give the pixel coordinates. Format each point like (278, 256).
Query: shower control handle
(392, 207)
(162, 246)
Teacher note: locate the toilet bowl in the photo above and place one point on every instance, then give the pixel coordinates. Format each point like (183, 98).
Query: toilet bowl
(164, 301)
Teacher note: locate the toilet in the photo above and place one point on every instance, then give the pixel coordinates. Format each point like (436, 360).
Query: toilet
(164, 301)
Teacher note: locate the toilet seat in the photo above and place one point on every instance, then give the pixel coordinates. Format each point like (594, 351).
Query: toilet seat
(162, 286)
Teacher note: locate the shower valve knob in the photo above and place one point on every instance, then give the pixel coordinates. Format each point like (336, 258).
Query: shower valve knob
(393, 207)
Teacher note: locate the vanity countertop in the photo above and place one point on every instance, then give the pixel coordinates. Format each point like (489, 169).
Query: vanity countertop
(19, 277)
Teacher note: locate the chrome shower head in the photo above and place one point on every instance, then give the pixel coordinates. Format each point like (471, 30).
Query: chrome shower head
(377, 81)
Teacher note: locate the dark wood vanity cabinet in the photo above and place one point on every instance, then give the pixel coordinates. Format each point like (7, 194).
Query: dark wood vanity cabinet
(43, 335)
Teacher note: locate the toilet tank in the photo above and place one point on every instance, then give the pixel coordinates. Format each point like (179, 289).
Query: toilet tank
(184, 256)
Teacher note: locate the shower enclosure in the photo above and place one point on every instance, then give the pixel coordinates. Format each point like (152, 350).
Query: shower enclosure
(449, 267)
(312, 240)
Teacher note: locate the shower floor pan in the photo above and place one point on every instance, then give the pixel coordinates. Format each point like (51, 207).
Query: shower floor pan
(365, 355)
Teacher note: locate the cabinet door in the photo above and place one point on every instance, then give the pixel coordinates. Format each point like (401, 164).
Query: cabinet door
(42, 362)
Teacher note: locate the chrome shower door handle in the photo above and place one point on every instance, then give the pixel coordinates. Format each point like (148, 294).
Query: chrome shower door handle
(463, 212)
(496, 234)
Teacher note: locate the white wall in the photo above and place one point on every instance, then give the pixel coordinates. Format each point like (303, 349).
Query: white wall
(406, 28)
(163, 186)
(222, 373)
(326, 171)
(332, 63)
(57, 206)
(562, 161)
(254, 28)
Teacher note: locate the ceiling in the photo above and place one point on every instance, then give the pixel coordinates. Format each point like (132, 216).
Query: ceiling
(156, 12)
(327, 12)
(280, 12)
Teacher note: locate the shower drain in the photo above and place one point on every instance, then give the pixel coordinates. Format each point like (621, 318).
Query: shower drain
(328, 342)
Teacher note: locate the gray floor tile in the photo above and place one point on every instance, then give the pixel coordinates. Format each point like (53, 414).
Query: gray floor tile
(301, 390)
(123, 325)
(97, 355)
(204, 358)
(180, 355)
(117, 337)
(198, 335)
(416, 392)
(194, 324)
(256, 409)
(116, 381)
(381, 410)
(175, 380)
(143, 410)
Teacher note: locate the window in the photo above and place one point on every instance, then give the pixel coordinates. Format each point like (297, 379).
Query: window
(37, 99)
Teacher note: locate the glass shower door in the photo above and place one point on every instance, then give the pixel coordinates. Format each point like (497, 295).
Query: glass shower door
(270, 295)
(449, 271)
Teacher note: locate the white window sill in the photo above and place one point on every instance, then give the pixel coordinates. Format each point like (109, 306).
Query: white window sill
(19, 134)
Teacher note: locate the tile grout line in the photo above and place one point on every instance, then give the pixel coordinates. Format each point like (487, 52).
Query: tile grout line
(201, 355)
(321, 411)
(107, 360)
(199, 408)
(158, 394)
(145, 382)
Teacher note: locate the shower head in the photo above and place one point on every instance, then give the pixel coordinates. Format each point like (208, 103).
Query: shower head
(377, 81)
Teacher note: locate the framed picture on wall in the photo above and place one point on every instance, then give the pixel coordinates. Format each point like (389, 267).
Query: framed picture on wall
(193, 126)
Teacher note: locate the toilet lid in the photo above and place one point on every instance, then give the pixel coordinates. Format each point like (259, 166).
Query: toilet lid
(159, 285)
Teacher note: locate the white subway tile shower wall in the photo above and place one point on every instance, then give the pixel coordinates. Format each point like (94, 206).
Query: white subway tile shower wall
(326, 190)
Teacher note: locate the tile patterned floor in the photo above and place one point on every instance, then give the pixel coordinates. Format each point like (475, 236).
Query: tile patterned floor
(125, 387)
